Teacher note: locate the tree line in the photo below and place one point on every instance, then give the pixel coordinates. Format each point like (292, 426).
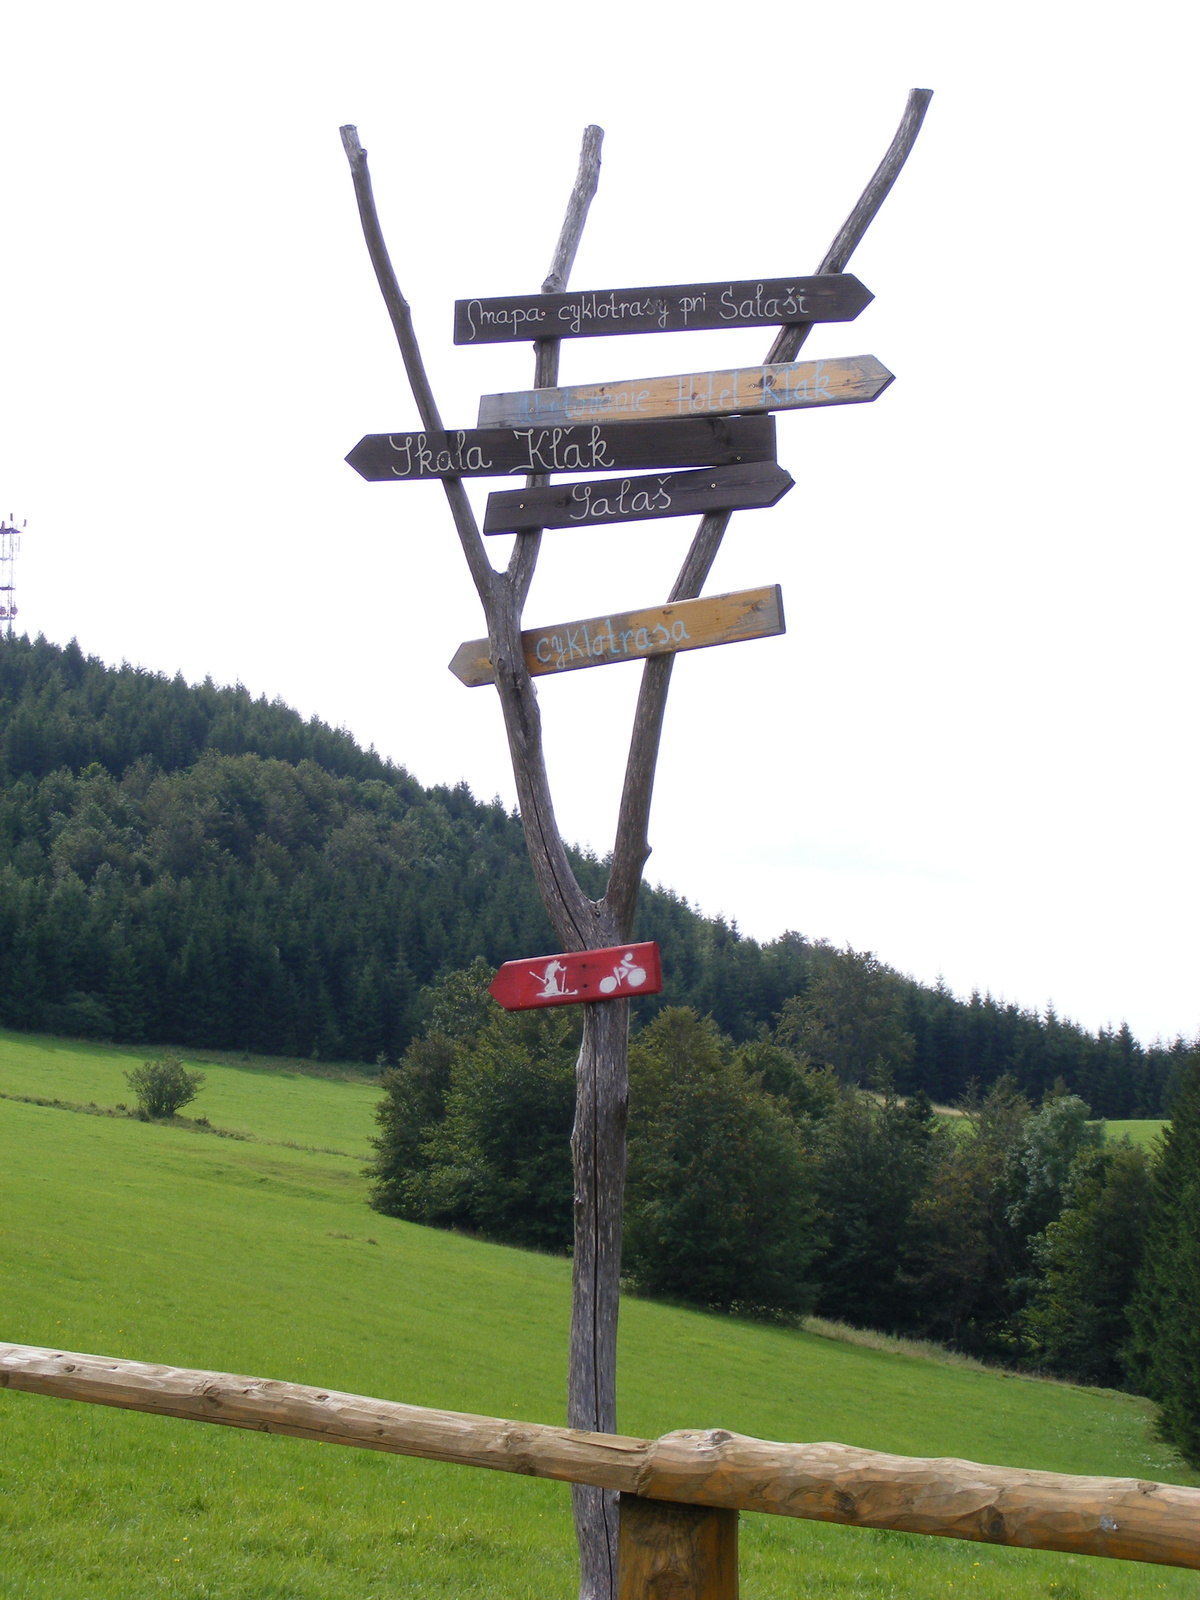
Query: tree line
(183, 864)
(767, 1177)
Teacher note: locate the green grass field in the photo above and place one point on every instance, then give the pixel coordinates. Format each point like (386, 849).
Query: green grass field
(164, 1244)
(1143, 1133)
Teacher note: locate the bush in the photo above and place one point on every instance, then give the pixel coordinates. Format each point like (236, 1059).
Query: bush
(164, 1086)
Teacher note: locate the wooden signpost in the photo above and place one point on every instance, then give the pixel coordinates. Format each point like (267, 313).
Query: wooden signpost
(634, 635)
(578, 977)
(719, 421)
(677, 308)
(667, 494)
(591, 447)
(785, 386)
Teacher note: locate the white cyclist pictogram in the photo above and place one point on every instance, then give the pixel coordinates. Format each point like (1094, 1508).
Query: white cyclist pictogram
(625, 972)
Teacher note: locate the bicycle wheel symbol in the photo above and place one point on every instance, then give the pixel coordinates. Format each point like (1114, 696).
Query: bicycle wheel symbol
(624, 972)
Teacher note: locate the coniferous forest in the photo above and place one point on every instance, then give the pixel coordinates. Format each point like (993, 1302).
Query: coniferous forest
(184, 864)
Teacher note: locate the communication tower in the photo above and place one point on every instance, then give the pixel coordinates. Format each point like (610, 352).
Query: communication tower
(10, 544)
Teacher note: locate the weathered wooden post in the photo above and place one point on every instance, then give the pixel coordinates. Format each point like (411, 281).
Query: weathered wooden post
(718, 422)
(668, 1551)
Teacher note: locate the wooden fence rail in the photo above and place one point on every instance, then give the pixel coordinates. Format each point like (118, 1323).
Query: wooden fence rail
(1123, 1517)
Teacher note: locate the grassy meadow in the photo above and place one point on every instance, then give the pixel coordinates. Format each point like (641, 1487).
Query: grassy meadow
(259, 1255)
(1143, 1132)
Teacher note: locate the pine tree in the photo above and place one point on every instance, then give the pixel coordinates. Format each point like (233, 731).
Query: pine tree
(1166, 1309)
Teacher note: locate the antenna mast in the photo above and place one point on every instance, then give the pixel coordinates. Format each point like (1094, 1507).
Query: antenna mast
(10, 544)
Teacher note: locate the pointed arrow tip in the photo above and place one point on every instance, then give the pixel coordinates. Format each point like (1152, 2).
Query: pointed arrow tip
(785, 482)
(354, 458)
(471, 664)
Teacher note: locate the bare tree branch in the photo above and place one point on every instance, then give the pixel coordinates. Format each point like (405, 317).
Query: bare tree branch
(398, 309)
(788, 340)
(545, 363)
(576, 918)
(582, 195)
(632, 847)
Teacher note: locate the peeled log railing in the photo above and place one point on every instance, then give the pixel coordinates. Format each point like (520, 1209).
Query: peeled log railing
(1122, 1517)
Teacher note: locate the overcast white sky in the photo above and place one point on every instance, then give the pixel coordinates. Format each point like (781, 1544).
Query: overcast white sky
(975, 749)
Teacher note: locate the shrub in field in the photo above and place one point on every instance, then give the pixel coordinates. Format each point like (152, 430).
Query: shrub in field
(164, 1087)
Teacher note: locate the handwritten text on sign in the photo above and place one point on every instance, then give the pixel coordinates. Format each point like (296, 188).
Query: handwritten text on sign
(664, 494)
(783, 386)
(634, 635)
(616, 446)
(578, 976)
(749, 303)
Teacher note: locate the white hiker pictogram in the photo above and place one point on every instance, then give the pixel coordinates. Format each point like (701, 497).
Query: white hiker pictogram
(552, 981)
(625, 971)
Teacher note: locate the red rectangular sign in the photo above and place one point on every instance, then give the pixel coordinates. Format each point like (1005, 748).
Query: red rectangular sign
(578, 977)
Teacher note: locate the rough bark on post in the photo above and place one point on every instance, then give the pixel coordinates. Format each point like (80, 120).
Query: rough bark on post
(602, 1094)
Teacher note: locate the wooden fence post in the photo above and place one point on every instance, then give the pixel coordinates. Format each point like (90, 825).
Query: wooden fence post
(667, 1551)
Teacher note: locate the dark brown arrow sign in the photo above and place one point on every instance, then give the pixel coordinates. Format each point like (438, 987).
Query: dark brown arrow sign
(748, 303)
(590, 447)
(666, 494)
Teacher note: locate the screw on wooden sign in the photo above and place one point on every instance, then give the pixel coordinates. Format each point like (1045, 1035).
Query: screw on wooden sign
(578, 977)
(744, 303)
(665, 494)
(594, 447)
(634, 635)
(783, 386)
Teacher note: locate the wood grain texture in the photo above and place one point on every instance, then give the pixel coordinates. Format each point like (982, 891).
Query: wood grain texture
(666, 494)
(588, 447)
(674, 1552)
(634, 635)
(669, 308)
(1128, 1518)
(598, 1156)
(785, 386)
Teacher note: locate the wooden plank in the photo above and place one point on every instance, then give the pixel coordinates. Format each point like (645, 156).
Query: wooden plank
(674, 1552)
(783, 386)
(593, 447)
(673, 308)
(667, 494)
(578, 977)
(634, 635)
(1131, 1519)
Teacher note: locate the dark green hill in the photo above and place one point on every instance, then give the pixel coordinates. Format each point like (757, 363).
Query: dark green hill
(184, 863)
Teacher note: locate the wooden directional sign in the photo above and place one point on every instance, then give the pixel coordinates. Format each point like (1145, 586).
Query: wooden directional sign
(634, 635)
(577, 977)
(784, 386)
(665, 494)
(594, 447)
(748, 303)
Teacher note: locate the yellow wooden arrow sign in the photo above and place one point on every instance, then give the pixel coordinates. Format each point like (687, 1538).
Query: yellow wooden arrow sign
(783, 386)
(634, 635)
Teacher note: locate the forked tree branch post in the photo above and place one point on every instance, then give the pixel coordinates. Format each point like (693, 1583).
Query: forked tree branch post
(602, 1078)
